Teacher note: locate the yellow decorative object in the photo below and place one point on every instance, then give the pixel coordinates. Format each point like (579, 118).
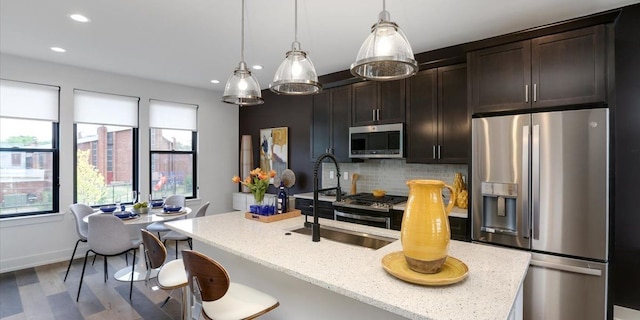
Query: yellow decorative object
(462, 200)
(459, 188)
(452, 271)
(425, 229)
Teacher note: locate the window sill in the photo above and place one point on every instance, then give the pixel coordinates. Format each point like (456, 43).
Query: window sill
(29, 220)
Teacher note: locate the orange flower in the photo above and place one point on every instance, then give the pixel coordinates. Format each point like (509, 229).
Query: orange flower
(255, 171)
(272, 173)
(247, 180)
(236, 179)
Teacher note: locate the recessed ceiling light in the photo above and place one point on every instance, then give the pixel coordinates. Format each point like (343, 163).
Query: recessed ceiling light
(257, 67)
(58, 49)
(215, 81)
(78, 17)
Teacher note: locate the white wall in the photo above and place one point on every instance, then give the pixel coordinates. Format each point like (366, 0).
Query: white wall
(32, 241)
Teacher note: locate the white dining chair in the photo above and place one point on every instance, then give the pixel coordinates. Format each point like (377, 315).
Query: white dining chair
(79, 211)
(108, 236)
(177, 236)
(158, 227)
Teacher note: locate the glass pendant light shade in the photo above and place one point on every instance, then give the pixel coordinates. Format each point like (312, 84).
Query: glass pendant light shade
(242, 88)
(385, 54)
(296, 75)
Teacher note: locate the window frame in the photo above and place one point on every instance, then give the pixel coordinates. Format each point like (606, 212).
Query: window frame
(55, 179)
(194, 161)
(134, 159)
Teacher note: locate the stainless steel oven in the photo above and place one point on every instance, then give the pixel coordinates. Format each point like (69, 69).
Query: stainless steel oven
(365, 209)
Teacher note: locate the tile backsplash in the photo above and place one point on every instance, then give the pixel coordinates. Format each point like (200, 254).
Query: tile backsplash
(388, 174)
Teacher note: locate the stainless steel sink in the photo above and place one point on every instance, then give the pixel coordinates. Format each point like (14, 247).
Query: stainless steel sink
(349, 237)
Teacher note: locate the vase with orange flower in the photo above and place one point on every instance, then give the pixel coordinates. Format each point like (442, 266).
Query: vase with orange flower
(257, 181)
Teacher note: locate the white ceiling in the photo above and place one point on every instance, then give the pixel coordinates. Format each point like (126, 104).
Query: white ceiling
(191, 42)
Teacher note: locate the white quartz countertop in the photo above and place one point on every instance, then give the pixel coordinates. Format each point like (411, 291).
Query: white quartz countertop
(488, 292)
(456, 212)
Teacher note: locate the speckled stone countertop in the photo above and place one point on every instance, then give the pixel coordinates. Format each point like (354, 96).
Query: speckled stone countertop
(489, 291)
(456, 212)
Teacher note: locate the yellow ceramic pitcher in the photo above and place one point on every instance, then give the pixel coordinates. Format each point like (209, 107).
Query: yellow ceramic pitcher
(425, 229)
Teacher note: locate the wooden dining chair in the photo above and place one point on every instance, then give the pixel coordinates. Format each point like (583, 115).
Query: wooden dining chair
(177, 236)
(221, 298)
(108, 236)
(171, 274)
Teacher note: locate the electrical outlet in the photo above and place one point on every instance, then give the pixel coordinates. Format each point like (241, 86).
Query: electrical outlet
(332, 174)
(345, 175)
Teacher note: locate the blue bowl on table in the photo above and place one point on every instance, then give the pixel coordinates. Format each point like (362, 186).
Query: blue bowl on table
(156, 203)
(108, 209)
(124, 215)
(172, 208)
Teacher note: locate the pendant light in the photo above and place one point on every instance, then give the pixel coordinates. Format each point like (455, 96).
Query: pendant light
(296, 75)
(386, 53)
(242, 88)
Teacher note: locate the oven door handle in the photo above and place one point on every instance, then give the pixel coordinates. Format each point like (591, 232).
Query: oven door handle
(346, 205)
(360, 217)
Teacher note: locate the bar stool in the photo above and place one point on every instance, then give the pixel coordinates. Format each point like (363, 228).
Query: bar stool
(221, 298)
(171, 275)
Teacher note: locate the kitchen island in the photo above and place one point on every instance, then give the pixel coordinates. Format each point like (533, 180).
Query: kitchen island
(327, 279)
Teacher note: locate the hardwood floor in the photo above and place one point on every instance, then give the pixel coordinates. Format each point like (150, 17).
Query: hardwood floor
(40, 293)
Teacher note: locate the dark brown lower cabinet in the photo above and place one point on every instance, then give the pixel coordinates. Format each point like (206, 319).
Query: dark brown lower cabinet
(325, 208)
(458, 226)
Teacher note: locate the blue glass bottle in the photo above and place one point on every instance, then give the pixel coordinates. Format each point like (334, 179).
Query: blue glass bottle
(282, 199)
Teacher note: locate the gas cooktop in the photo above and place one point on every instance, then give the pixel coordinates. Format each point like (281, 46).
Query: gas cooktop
(367, 200)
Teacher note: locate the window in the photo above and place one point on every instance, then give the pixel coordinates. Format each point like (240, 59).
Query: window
(172, 148)
(106, 147)
(28, 148)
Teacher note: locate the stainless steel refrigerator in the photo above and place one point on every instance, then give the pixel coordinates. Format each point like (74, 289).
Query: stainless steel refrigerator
(540, 182)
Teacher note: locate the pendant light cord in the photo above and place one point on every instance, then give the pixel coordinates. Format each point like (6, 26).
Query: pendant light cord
(242, 37)
(384, 5)
(295, 46)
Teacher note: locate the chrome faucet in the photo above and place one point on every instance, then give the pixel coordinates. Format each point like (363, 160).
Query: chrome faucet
(315, 226)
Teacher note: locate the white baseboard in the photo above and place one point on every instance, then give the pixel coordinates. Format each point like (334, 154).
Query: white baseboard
(622, 313)
(36, 260)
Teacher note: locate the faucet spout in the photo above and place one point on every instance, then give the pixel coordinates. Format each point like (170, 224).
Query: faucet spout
(315, 226)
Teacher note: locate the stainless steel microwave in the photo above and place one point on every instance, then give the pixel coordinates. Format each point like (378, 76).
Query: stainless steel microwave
(379, 141)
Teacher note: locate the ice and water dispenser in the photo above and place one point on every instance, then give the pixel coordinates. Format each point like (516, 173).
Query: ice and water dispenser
(499, 207)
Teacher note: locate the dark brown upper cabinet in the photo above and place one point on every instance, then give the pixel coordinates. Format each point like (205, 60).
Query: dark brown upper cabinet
(438, 124)
(378, 102)
(331, 121)
(556, 70)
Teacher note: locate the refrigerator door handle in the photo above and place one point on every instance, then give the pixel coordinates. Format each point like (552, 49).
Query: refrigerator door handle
(564, 267)
(525, 183)
(535, 181)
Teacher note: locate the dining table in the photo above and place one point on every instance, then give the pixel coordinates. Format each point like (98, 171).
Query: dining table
(135, 223)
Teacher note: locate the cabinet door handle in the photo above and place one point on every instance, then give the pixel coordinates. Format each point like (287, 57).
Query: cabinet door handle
(535, 92)
(433, 152)
(526, 93)
(439, 151)
(373, 114)
(378, 114)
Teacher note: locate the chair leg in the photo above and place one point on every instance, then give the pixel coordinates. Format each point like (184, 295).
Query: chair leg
(176, 249)
(133, 267)
(126, 258)
(105, 269)
(189, 240)
(70, 260)
(94, 259)
(84, 265)
(165, 301)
